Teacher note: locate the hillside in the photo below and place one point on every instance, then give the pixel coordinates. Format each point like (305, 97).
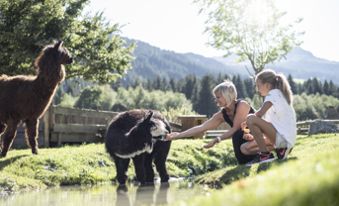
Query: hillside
(151, 62)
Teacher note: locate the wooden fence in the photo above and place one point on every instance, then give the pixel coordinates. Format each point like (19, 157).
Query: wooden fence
(68, 126)
(303, 127)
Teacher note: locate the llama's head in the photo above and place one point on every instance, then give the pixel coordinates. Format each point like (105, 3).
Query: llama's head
(51, 59)
(63, 55)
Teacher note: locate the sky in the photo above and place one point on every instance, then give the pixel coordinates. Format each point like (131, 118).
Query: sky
(177, 26)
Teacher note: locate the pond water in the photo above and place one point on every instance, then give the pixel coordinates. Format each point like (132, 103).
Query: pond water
(159, 194)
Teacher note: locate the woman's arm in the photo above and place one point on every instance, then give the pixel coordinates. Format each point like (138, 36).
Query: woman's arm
(240, 116)
(211, 123)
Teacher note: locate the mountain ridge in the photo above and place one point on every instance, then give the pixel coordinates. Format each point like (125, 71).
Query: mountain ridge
(151, 62)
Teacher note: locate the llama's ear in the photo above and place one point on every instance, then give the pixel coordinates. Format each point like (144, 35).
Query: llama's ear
(149, 115)
(58, 44)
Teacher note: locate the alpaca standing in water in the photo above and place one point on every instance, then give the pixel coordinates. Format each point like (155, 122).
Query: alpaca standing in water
(139, 135)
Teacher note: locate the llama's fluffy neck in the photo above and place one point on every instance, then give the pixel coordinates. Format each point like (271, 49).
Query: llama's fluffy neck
(48, 79)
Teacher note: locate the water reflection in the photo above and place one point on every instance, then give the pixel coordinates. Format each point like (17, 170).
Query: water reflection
(159, 194)
(149, 195)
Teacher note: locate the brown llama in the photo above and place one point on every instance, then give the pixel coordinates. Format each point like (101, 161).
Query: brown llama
(26, 98)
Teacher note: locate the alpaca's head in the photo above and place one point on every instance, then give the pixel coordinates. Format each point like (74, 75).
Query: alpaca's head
(156, 128)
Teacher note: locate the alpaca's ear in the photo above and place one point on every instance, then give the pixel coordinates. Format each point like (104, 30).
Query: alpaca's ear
(58, 44)
(149, 115)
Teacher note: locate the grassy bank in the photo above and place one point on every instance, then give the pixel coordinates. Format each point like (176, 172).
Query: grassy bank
(311, 172)
(309, 177)
(90, 164)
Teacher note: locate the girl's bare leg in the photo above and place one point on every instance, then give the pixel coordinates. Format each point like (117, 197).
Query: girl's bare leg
(259, 128)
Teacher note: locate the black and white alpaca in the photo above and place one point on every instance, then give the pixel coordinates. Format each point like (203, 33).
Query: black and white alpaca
(139, 135)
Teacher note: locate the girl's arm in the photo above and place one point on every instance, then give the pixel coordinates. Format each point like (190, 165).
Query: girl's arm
(211, 123)
(263, 109)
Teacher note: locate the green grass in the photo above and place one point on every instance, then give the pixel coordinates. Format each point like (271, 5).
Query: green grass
(90, 164)
(310, 176)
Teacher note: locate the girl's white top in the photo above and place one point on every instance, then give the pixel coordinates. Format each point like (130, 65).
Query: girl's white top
(282, 116)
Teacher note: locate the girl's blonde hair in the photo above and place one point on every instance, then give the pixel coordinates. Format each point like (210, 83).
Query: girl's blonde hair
(227, 90)
(278, 81)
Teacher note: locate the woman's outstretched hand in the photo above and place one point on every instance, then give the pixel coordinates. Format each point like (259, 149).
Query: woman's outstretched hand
(210, 144)
(171, 136)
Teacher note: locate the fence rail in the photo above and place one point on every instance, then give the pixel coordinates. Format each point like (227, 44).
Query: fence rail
(69, 125)
(62, 125)
(303, 127)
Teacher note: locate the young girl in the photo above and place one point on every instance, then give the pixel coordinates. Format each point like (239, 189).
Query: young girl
(275, 120)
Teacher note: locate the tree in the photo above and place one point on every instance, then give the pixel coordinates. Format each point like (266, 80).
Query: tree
(251, 29)
(317, 86)
(205, 103)
(173, 85)
(190, 85)
(89, 99)
(97, 97)
(332, 89)
(250, 87)
(26, 26)
(292, 84)
(239, 84)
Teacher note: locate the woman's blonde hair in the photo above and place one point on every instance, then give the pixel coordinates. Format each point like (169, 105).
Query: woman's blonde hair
(227, 90)
(278, 81)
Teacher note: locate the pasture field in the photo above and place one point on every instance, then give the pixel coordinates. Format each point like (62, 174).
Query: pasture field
(310, 176)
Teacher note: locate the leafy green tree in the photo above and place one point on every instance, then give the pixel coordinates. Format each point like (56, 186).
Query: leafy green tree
(253, 30)
(136, 98)
(97, 97)
(89, 99)
(313, 106)
(26, 26)
(68, 100)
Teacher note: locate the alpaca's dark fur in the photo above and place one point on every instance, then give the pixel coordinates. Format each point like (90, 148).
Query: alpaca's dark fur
(137, 135)
(26, 98)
